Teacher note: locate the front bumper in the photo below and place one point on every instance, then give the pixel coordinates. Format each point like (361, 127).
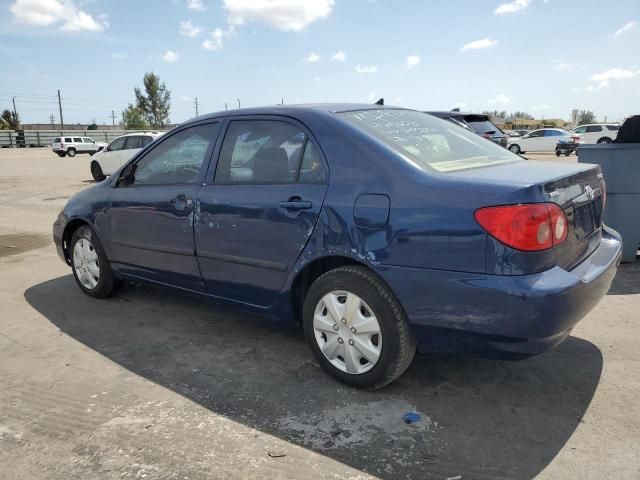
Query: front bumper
(518, 315)
(58, 231)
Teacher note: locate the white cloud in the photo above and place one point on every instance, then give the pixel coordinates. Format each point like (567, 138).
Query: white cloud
(65, 13)
(339, 56)
(312, 57)
(287, 15)
(214, 42)
(512, 7)
(412, 61)
(478, 44)
(119, 55)
(170, 56)
(566, 66)
(197, 5)
(188, 29)
(500, 99)
(625, 28)
(366, 68)
(614, 74)
(539, 108)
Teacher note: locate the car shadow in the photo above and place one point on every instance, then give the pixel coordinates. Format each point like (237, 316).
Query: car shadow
(627, 279)
(480, 418)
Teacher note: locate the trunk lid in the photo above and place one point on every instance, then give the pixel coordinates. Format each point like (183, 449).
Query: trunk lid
(577, 188)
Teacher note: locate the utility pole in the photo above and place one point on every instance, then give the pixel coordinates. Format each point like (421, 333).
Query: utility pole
(113, 118)
(282, 101)
(52, 119)
(15, 113)
(196, 103)
(238, 103)
(60, 108)
(225, 105)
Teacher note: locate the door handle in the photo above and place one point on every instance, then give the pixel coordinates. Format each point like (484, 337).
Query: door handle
(181, 201)
(296, 203)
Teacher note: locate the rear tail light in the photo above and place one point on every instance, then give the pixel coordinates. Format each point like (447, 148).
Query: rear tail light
(529, 227)
(603, 192)
(575, 138)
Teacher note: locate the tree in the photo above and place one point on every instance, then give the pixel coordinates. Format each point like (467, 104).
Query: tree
(155, 105)
(522, 115)
(133, 118)
(586, 116)
(92, 126)
(11, 119)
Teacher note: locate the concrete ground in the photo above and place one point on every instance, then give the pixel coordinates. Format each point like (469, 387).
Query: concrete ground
(154, 385)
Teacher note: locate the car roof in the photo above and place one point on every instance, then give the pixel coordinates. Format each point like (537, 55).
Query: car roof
(142, 133)
(298, 109)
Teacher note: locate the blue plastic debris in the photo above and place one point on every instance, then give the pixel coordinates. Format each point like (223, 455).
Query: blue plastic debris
(411, 417)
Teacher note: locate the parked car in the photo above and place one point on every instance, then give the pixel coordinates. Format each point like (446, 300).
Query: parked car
(521, 132)
(597, 132)
(542, 140)
(512, 133)
(67, 145)
(477, 122)
(377, 228)
(119, 152)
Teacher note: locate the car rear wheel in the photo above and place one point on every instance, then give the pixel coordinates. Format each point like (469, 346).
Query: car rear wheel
(515, 149)
(356, 328)
(62, 154)
(90, 265)
(605, 140)
(71, 152)
(96, 172)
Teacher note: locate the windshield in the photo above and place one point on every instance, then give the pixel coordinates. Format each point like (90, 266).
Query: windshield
(429, 141)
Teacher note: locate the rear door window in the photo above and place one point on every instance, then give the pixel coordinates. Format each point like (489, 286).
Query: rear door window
(77, 140)
(312, 167)
(132, 142)
(260, 151)
(144, 141)
(68, 139)
(594, 128)
(613, 128)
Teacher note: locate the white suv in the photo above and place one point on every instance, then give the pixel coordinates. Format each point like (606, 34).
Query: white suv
(64, 146)
(597, 132)
(118, 152)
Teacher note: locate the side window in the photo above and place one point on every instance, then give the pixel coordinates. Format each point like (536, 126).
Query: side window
(553, 133)
(88, 140)
(117, 144)
(613, 128)
(580, 130)
(178, 158)
(144, 141)
(132, 142)
(68, 139)
(536, 133)
(56, 140)
(260, 151)
(77, 140)
(312, 169)
(594, 128)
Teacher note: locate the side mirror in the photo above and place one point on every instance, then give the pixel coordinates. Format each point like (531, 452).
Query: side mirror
(108, 149)
(126, 175)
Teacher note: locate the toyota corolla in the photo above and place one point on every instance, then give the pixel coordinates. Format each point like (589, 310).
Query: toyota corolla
(379, 229)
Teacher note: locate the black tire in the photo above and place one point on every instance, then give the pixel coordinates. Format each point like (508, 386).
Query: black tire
(71, 152)
(62, 154)
(107, 284)
(515, 149)
(398, 345)
(557, 153)
(567, 153)
(96, 172)
(605, 140)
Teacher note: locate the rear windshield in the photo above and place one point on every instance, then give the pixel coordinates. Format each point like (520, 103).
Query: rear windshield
(56, 140)
(429, 141)
(483, 126)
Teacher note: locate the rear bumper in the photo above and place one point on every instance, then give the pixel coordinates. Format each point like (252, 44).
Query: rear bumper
(492, 314)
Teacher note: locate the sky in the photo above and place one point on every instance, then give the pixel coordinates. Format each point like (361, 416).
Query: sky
(545, 57)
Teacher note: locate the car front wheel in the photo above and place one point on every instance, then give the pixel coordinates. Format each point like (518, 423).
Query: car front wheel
(514, 149)
(357, 329)
(90, 265)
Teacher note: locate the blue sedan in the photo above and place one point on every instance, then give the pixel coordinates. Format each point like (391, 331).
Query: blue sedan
(379, 229)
